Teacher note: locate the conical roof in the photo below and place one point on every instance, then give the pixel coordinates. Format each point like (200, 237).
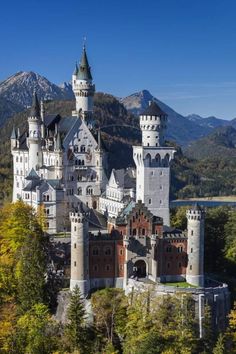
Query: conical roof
(84, 68)
(13, 133)
(76, 69)
(35, 108)
(153, 110)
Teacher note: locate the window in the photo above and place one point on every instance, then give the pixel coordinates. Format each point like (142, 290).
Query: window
(74, 264)
(95, 268)
(16, 158)
(190, 267)
(149, 201)
(89, 190)
(191, 232)
(95, 251)
(47, 225)
(74, 245)
(82, 148)
(20, 159)
(143, 232)
(180, 265)
(107, 268)
(191, 250)
(168, 265)
(121, 267)
(108, 251)
(121, 252)
(180, 249)
(134, 232)
(74, 228)
(168, 249)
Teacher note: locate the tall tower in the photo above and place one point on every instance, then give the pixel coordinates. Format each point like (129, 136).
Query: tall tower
(79, 253)
(152, 161)
(34, 139)
(83, 87)
(195, 250)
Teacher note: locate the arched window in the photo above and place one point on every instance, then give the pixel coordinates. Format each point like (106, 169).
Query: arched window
(166, 160)
(158, 160)
(82, 148)
(95, 251)
(148, 160)
(79, 191)
(89, 190)
(180, 249)
(82, 162)
(76, 148)
(134, 232)
(107, 251)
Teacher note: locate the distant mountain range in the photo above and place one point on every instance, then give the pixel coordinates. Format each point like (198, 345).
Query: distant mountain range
(220, 144)
(16, 95)
(16, 92)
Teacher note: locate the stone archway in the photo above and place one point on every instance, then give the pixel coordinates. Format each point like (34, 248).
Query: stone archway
(140, 268)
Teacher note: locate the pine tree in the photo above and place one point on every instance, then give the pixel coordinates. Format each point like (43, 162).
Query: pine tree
(31, 272)
(220, 345)
(75, 331)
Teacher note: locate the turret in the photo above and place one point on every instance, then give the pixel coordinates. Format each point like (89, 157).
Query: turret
(153, 125)
(42, 114)
(13, 138)
(83, 87)
(152, 161)
(195, 250)
(34, 139)
(79, 253)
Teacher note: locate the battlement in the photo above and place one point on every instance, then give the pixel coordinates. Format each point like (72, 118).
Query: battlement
(76, 217)
(197, 213)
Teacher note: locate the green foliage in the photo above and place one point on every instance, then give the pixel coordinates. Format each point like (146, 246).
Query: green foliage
(36, 332)
(219, 348)
(178, 217)
(109, 308)
(77, 332)
(31, 275)
(18, 223)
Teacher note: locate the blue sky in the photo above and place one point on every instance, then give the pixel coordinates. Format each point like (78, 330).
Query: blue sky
(182, 51)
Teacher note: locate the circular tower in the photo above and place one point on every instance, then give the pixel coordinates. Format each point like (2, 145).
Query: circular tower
(34, 139)
(83, 87)
(79, 253)
(153, 125)
(195, 250)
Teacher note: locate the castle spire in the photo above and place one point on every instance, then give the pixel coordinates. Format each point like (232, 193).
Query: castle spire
(84, 68)
(76, 69)
(35, 108)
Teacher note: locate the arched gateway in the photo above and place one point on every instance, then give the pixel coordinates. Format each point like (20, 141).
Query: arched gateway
(140, 268)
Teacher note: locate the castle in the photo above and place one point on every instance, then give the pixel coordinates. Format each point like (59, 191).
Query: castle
(119, 227)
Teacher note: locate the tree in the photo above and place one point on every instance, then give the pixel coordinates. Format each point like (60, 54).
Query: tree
(219, 348)
(31, 272)
(109, 308)
(36, 332)
(17, 221)
(76, 331)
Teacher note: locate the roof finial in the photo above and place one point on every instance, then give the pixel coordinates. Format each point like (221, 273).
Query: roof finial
(84, 42)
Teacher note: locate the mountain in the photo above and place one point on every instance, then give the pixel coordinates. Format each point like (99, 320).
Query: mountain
(16, 92)
(220, 144)
(210, 122)
(179, 129)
